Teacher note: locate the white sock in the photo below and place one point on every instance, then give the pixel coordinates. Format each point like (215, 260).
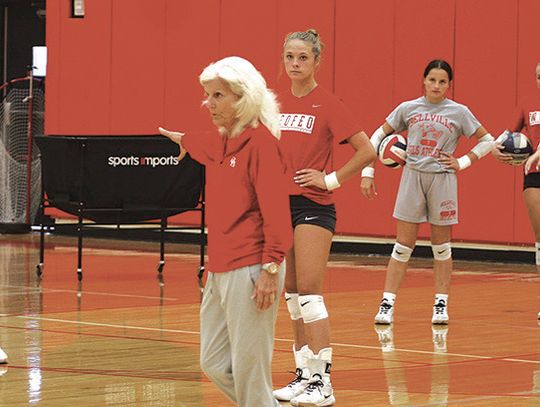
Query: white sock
(391, 297)
(301, 359)
(443, 297)
(321, 364)
(537, 245)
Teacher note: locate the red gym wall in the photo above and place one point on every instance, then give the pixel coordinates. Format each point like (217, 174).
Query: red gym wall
(131, 65)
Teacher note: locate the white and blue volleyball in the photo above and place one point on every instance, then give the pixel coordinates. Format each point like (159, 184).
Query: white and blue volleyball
(518, 146)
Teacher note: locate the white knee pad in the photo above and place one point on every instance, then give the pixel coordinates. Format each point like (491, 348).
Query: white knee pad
(312, 308)
(292, 305)
(442, 252)
(401, 253)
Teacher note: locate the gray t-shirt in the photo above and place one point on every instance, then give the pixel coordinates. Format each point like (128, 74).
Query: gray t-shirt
(432, 128)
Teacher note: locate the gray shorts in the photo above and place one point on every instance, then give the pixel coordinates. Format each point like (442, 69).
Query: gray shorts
(427, 197)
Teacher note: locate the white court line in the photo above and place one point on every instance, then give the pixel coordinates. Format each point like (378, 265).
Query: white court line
(99, 324)
(344, 345)
(83, 293)
(461, 401)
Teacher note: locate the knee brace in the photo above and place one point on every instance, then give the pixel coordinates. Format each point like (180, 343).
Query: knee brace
(441, 252)
(293, 306)
(312, 308)
(401, 253)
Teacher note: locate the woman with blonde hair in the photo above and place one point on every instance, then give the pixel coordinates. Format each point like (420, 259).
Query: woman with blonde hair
(248, 229)
(313, 123)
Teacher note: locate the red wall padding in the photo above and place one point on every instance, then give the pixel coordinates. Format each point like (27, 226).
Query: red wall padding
(366, 83)
(79, 77)
(137, 65)
(131, 65)
(192, 36)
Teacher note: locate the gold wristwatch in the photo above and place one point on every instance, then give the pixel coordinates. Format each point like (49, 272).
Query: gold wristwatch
(271, 268)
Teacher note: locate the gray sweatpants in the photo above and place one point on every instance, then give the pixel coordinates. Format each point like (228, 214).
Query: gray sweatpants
(237, 340)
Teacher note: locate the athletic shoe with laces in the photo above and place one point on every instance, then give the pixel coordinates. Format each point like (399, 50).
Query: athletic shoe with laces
(440, 313)
(295, 387)
(385, 316)
(317, 394)
(3, 356)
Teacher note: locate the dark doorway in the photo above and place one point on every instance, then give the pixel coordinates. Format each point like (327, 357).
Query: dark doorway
(22, 25)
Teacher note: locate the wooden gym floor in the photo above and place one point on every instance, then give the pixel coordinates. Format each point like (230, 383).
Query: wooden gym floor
(125, 338)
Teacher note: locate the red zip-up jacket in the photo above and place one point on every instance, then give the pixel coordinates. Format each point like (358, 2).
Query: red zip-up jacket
(247, 203)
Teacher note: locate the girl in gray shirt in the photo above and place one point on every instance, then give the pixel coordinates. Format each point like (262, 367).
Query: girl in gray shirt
(428, 186)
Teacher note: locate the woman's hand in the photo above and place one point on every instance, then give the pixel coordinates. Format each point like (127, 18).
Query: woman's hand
(175, 137)
(265, 290)
(449, 161)
(533, 162)
(310, 178)
(367, 186)
(496, 151)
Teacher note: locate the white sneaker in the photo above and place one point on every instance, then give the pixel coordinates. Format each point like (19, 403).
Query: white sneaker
(385, 316)
(3, 356)
(439, 338)
(317, 393)
(440, 313)
(386, 337)
(293, 389)
(539, 315)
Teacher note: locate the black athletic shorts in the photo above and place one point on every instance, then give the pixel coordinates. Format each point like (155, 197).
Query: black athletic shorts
(531, 180)
(306, 212)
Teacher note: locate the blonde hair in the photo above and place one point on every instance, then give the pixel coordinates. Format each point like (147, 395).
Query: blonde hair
(257, 103)
(310, 36)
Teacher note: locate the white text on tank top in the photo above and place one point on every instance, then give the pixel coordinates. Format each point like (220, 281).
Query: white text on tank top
(302, 123)
(534, 118)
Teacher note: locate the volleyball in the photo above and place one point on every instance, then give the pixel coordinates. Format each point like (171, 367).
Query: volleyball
(393, 151)
(518, 146)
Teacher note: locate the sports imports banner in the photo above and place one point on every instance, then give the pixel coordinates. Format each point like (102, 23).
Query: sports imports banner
(118, 179)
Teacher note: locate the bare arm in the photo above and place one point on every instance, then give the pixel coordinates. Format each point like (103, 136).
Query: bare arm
(367, 184)
(175, 137)
(364, 154)
(483, 147)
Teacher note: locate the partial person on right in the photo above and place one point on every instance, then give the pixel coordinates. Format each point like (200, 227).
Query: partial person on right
(3, 356)
(526, 120)
(533, 162)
